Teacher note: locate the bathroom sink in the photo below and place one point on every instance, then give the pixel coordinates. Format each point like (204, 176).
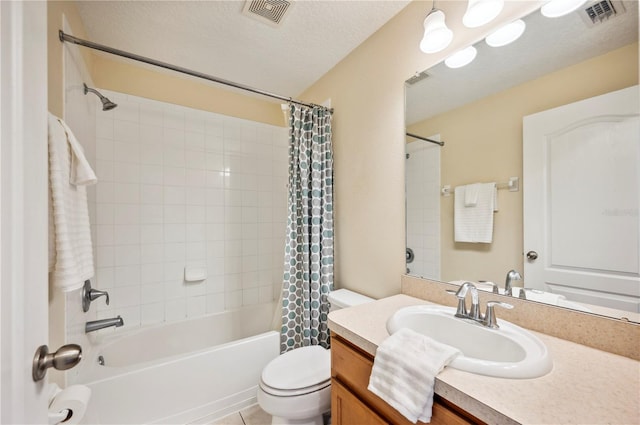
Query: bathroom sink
(507, 352)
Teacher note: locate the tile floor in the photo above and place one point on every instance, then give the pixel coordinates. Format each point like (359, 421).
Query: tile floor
(252, 415)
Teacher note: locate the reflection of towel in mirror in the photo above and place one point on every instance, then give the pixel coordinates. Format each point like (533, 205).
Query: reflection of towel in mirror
(471, 192)
(70, 251)
(475, 223)
(404, 371)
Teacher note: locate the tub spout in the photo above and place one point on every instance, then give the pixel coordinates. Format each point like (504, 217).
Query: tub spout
(104, 323)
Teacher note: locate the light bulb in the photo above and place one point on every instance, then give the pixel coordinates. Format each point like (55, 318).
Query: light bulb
(480, 12)
(461, 58)
(436, 34)
(557, 8)
(506, 34)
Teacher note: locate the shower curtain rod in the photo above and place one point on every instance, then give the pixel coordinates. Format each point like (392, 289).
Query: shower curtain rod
(415, 136)
(71, 39)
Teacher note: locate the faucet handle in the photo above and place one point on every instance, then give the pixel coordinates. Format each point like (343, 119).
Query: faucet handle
(94, 294)
(461, 311)
(89, 294)
(494, 287)
(490, 315)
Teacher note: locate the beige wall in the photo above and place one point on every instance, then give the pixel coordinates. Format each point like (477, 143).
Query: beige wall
(488, 147)
(367, 93)
(168, 86)
(55, 12)
(145, 81)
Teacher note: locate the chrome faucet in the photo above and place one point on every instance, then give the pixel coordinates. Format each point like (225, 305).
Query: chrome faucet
(489, 318)
(104, 323)
(494, 287)
(461, 294)
(90, 294)
(511, 276)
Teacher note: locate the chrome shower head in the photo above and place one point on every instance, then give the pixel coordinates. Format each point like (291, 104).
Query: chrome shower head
(106, 103)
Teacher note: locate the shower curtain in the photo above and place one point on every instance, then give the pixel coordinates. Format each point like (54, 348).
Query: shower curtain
(308, 268)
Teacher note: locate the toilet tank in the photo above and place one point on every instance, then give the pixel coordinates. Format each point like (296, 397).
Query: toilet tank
(343, 298)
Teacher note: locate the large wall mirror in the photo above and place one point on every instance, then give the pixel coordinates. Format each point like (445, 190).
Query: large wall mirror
(576, 179)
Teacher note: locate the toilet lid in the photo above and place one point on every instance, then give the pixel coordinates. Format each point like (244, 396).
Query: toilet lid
(299, 368)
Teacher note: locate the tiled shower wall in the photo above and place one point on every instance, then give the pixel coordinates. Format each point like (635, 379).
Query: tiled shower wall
(183, 188)
(423, 208)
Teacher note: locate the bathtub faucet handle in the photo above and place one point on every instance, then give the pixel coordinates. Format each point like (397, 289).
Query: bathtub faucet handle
(89, 294)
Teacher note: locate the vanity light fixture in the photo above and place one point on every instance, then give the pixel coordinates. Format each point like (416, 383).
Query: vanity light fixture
(461, 58)
(480, 12)
(437, 36)
(557, 8)
(506, 34)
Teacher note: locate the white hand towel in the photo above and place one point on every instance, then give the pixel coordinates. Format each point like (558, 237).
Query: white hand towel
(404, 371)
(475, 224)
(70, 251)
(471, 192)
(81, 172)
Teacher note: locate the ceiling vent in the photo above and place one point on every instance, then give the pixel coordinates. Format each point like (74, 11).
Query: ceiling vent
(419, 76)
(271, 12)
(598, 12)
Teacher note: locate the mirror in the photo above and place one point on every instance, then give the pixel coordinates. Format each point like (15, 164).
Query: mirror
(478, 111)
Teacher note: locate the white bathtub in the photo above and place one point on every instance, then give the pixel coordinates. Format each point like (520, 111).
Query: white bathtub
(195, 370)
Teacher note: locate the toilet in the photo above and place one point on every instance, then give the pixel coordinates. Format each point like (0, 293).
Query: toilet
(295, 388)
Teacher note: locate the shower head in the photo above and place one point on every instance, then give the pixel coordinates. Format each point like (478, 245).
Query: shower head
(106, 103)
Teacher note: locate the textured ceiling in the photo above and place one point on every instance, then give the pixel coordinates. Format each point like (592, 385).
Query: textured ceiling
(546, 46)
(215, 38)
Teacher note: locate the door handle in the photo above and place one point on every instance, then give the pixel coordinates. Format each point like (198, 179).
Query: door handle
(65, 358)
(532, 255)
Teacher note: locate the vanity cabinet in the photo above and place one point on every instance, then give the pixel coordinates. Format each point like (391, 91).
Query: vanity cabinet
(353, 404)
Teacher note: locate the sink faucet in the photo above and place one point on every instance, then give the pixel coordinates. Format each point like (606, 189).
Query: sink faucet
(104, 323)
(511, 276)
(489, 318)
(461, 294)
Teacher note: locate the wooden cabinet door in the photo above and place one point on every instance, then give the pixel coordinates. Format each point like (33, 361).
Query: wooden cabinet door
(350, 371)
(347, 409)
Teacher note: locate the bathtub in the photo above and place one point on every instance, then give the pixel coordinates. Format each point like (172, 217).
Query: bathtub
(192, 371)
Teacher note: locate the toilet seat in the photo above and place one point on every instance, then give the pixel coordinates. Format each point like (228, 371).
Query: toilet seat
(300, 371)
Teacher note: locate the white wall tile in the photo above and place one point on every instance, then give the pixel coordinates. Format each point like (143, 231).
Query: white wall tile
(174, 176)
(126, 193)
(196, 306)
(151, 194)
(152, 135)
(162, 203)
(126, 234)
(152, 313)
(151, 154)
(175, 309)
(195, 196)
(152, 233)
(151, 116)
(127, 255)
(175, 252)
(127, 275)
(126, 131)
(151, 255)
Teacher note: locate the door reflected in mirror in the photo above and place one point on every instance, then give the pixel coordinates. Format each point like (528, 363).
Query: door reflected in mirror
(479, 110)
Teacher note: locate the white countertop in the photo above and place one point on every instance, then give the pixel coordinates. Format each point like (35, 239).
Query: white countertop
(586, 386)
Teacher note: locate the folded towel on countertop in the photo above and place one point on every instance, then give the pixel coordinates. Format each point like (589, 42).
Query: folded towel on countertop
(404, 371)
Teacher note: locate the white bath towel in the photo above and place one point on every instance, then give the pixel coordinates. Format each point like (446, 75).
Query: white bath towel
(70, 251)
(475, 223)
(404, 371)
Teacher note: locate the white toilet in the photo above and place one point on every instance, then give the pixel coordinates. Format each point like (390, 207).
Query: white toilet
(295, 388)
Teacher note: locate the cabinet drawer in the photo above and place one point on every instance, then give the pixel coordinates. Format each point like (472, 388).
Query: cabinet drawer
(352, 368)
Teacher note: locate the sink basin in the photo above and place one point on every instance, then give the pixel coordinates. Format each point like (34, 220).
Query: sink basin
(508, 352)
